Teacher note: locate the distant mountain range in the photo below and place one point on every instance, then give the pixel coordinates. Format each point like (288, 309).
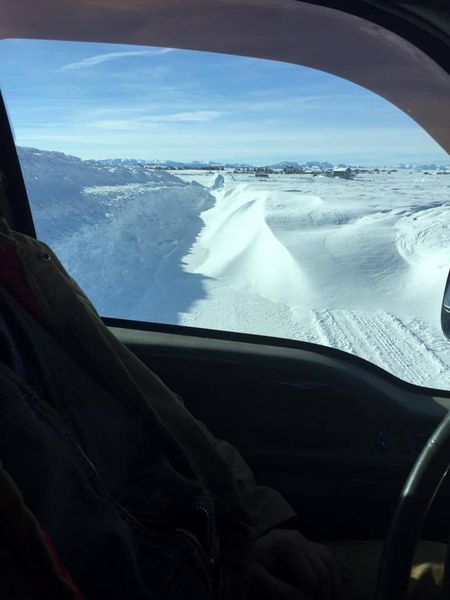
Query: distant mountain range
(425, 167)
(209, 164)
(297, 164)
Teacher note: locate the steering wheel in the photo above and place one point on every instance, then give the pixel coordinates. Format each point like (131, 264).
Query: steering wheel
(416, 497)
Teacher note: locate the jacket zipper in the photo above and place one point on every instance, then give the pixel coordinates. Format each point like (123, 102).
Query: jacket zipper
(209, 532)
(207, 552)
(190, 536)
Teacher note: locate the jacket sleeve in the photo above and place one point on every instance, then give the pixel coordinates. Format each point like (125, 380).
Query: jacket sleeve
(266, 506)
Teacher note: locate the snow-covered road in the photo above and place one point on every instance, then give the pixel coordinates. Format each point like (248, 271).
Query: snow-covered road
(409, 351)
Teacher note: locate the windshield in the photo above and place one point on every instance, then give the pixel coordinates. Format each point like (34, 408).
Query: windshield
(237, 194)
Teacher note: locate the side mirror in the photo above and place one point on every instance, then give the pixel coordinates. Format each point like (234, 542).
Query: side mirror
(445, 311)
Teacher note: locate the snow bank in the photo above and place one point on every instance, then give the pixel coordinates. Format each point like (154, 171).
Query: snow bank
(122, 262)
(121, 232)
(56, 186)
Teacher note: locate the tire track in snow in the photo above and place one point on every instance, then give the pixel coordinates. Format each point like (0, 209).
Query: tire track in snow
(384, 340)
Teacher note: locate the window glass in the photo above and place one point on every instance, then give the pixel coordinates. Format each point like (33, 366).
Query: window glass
(237, 194)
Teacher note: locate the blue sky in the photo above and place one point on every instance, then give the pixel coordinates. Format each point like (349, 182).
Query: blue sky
(110, 101)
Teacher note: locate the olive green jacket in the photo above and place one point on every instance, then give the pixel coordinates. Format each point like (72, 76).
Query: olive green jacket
(68, 314)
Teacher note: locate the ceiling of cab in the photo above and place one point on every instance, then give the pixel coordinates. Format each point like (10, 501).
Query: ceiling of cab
(288, 30)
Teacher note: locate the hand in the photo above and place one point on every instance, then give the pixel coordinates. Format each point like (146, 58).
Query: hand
(284, 565)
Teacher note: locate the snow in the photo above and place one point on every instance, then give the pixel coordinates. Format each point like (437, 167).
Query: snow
(218, 182)
(359, 265)
(238, 246)
(58, 186)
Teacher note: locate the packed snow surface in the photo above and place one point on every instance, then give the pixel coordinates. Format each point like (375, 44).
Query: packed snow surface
(359, 265)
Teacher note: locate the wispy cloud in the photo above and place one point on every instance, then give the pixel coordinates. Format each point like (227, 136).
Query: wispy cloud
(97, 59)
(180, 117)
(193, 115)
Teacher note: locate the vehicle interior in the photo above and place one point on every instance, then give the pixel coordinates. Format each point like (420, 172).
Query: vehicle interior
(335, 434)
